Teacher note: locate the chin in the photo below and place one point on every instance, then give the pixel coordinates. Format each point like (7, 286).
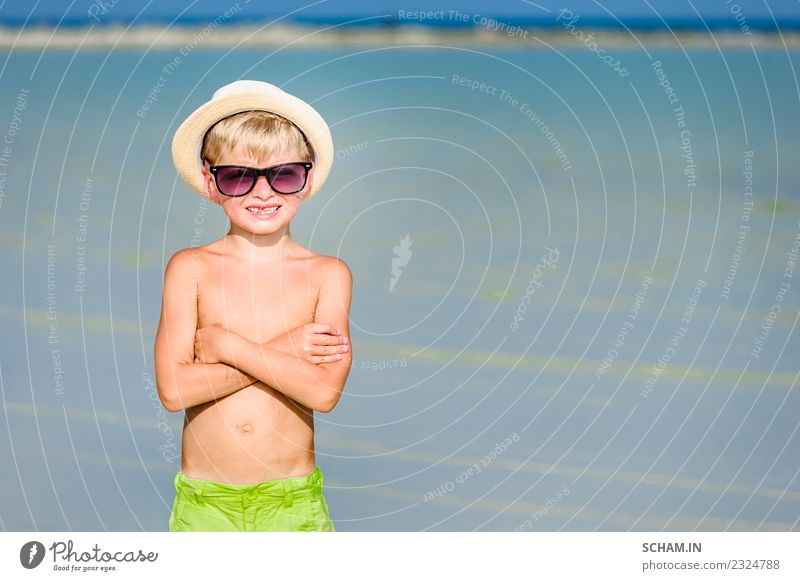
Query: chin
(262, 228)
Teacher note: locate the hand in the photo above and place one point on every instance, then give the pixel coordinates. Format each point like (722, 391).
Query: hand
(212, 345)
(316, 343)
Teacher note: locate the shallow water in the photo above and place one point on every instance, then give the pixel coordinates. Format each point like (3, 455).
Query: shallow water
(443, 374)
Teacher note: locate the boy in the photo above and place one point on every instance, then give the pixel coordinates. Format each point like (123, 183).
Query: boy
(253, 337)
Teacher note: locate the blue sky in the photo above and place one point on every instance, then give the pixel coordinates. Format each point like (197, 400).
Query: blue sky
(77, 10)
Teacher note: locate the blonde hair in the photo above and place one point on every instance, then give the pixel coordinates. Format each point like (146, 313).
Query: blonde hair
(260, 133)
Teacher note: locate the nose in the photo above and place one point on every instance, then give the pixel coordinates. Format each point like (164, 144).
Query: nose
(262, 188)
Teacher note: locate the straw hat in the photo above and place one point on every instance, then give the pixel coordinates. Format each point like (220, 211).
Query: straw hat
(250, 96)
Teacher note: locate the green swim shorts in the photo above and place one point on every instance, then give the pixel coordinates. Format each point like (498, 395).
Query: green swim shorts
(291, 504)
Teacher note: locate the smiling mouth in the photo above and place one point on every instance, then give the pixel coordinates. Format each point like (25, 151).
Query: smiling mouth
(262, 211)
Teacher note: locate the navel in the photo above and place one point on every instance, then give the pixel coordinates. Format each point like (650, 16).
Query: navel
(246, 428)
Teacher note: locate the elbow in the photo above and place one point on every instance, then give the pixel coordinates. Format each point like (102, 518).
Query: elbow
(171, 405)
(328, 403)
(333, 387)
(168, 381)
(170, 399)
(327, 406)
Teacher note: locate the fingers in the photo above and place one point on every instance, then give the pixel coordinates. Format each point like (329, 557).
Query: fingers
(329, 349)
(324, 328)
(323, 339)
(326, 358)
(198, 353)
(198, 349)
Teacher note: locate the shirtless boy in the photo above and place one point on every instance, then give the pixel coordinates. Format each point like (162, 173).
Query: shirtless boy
(253, 337)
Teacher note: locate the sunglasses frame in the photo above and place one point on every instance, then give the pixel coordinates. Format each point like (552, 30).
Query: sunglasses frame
(261, 172)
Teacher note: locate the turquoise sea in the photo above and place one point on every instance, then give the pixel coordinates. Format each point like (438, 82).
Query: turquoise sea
(594, 322)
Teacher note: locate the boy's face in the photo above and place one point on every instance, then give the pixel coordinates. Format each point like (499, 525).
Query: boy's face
(241, 210)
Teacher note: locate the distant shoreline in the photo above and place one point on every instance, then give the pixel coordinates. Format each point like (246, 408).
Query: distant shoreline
(216, 34)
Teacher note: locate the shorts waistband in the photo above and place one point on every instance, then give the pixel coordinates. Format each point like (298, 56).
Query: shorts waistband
(309, 485)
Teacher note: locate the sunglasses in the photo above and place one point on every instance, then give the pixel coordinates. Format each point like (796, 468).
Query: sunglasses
(239, 180)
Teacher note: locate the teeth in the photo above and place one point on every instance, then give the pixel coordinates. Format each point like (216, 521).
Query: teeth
(263, 211)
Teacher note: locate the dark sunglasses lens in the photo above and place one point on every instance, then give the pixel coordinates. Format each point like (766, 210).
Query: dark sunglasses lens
(288, 179)
(235, 181)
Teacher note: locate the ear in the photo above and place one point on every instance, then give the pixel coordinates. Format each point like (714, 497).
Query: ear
(210, 186)
(309, 183)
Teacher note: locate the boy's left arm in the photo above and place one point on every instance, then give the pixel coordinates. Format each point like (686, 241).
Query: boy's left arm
(318, 386)
(333, 307)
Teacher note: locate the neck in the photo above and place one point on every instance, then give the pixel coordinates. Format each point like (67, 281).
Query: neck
(244, 244)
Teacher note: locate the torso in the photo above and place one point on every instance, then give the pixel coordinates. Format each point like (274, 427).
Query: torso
(257, 433)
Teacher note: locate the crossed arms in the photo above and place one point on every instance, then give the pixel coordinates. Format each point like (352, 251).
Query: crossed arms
(194, 366)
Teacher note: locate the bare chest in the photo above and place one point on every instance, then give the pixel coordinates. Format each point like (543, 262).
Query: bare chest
(258, 303)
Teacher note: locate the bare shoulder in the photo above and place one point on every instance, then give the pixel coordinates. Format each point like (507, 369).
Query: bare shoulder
(321, 267)
(185, 268)
(333, 270)
(194, 254)
(180, 260)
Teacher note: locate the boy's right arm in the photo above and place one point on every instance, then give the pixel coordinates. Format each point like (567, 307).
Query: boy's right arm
(181, 382)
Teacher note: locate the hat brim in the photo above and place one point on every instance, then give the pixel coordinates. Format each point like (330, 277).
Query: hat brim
(188, 141)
